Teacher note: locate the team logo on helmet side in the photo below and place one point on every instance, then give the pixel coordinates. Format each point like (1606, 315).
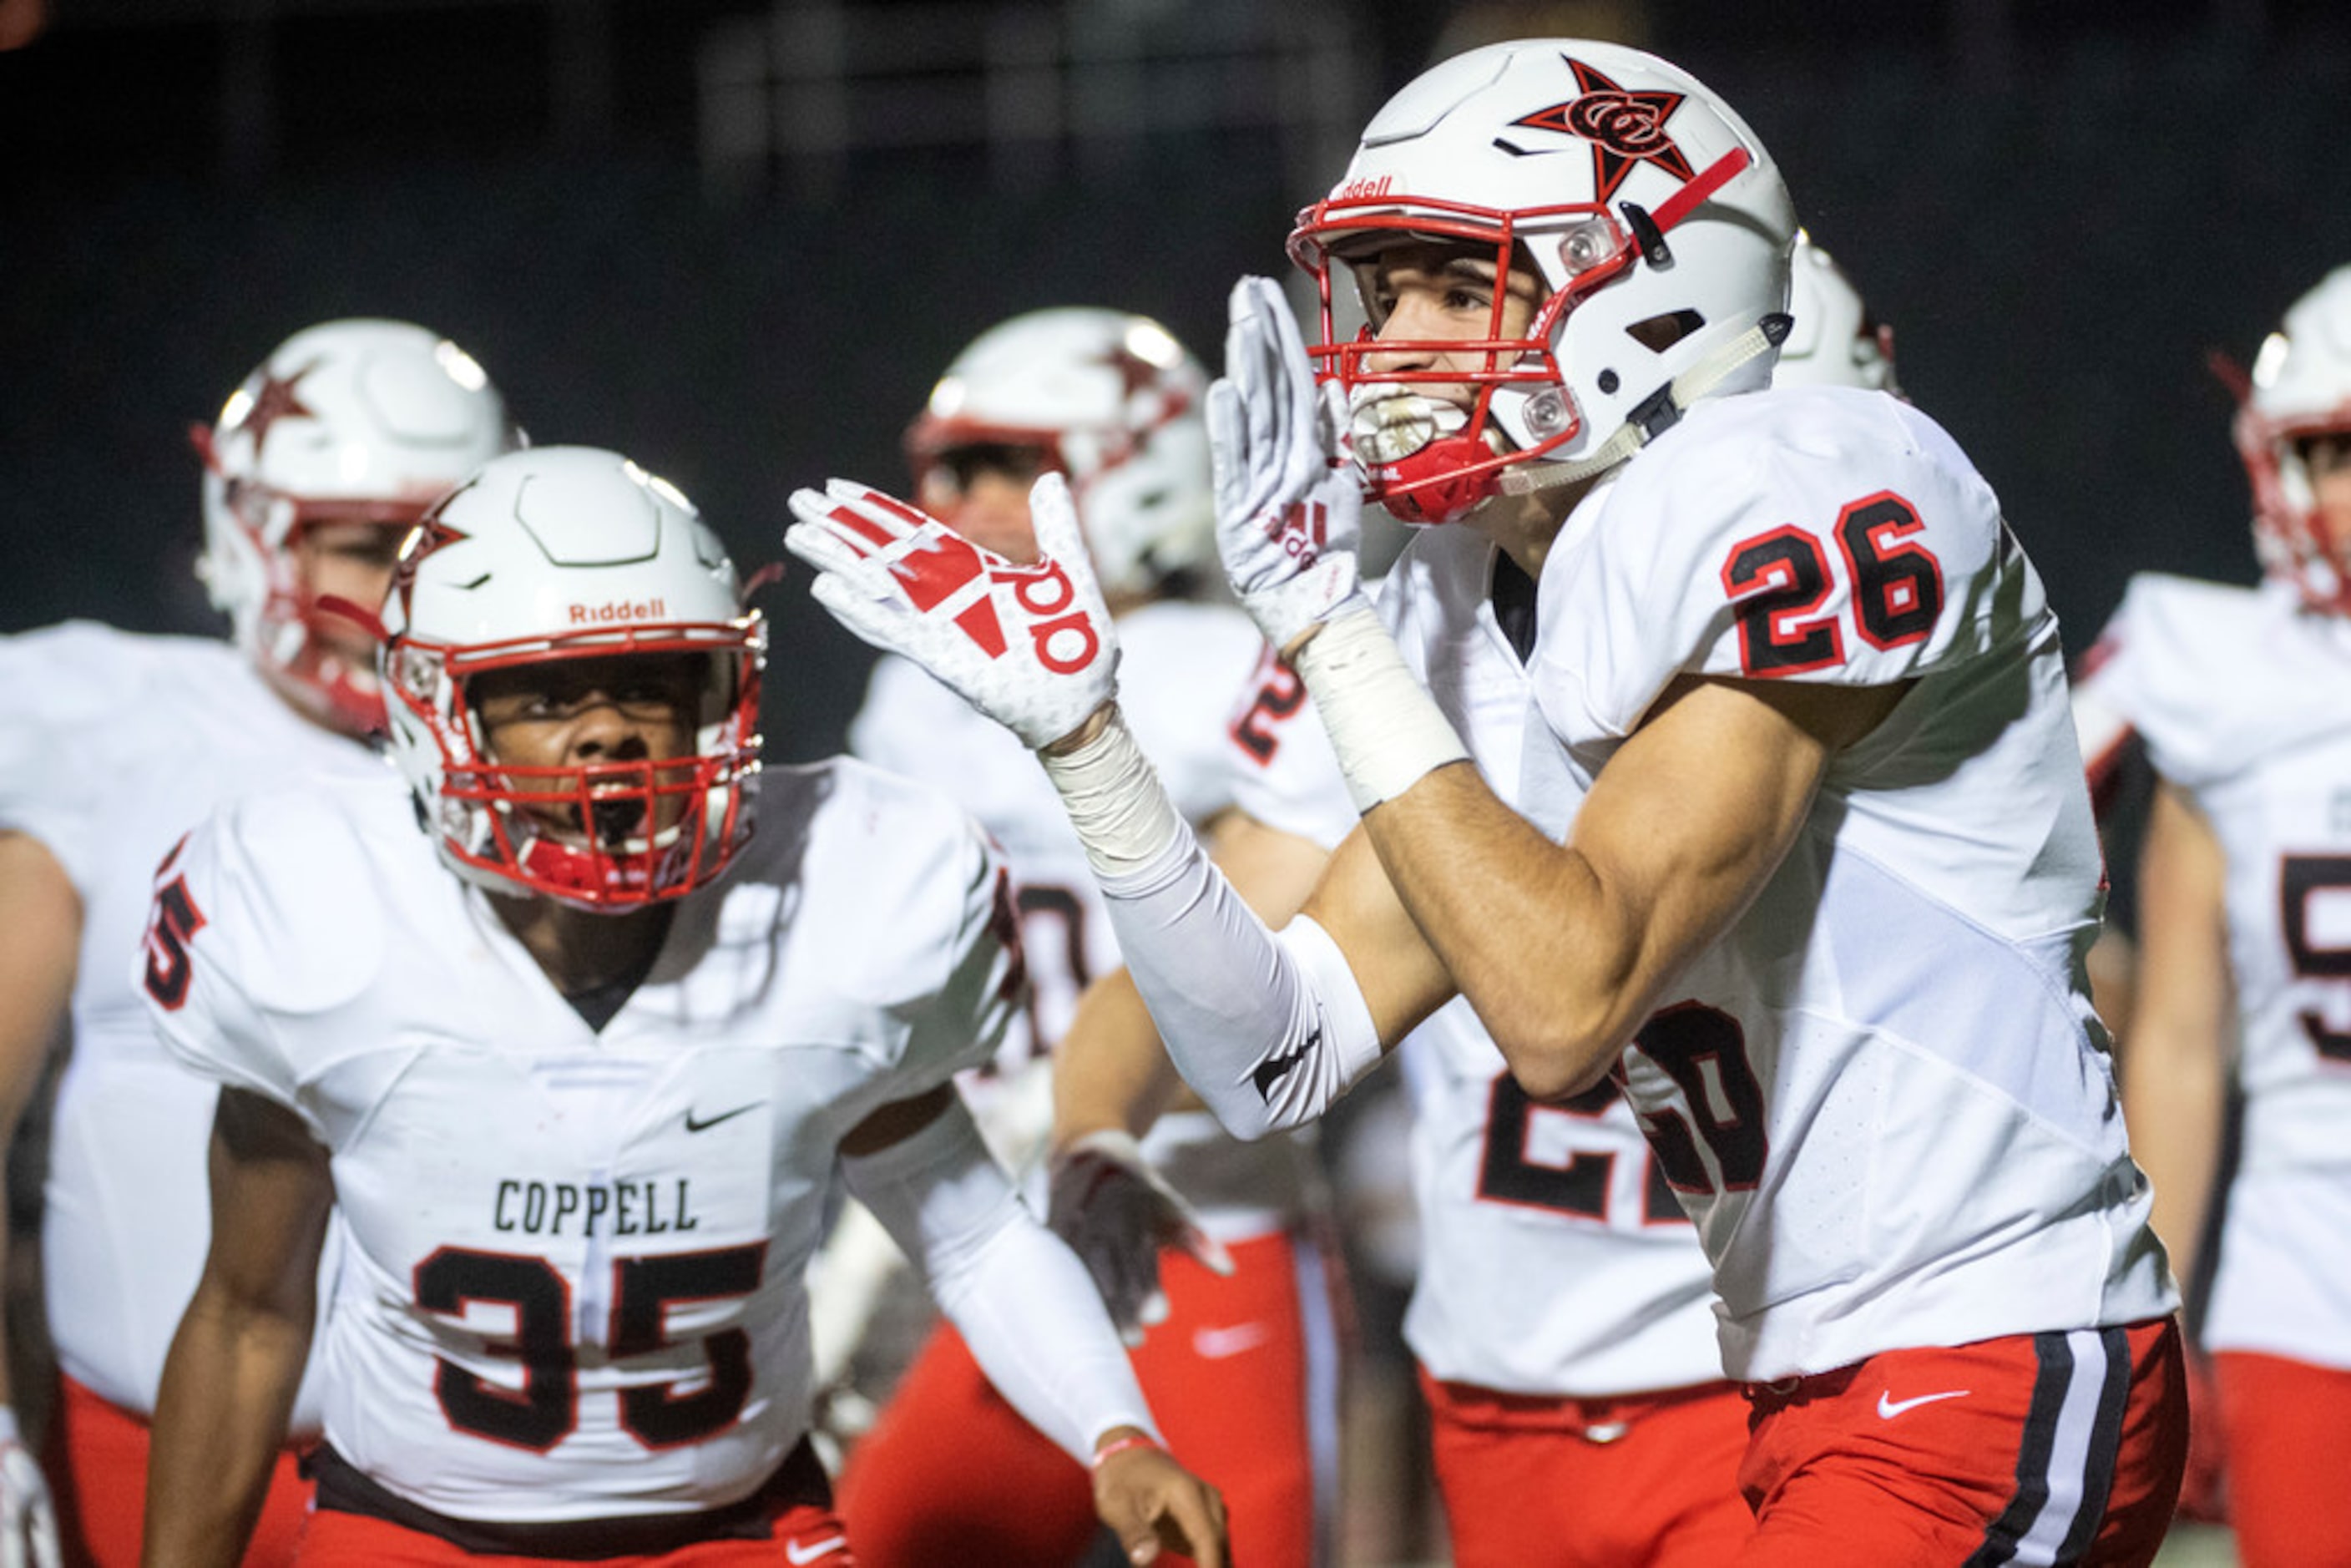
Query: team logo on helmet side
(279, 398)
(1623, 128)
(429, 534)
(1137, 375)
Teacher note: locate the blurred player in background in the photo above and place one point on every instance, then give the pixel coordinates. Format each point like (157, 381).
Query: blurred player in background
(1774, 780)
(1562, 1312)
(1834, 339)
(1240, 1360)
(111, 747)
(579, 1055)
(2242, 700)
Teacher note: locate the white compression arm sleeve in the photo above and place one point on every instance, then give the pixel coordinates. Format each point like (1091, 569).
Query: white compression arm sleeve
(1021, 1299)
(1268, 1029)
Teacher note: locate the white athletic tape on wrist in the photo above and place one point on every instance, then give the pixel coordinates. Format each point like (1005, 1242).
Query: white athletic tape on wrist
(1385, 727)
(1115, 801)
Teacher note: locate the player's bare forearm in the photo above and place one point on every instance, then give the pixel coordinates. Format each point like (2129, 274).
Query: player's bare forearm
(1516, 920)
(227, 1393)
(40, 939)
(1111, 1071)
(2174, 1114)
(1565, 948)
(237, 1361)
(2174, 1059)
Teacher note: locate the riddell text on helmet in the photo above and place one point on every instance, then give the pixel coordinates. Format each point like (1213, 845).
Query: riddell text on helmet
(619, 610)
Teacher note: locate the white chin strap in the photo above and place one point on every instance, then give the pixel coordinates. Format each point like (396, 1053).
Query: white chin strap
(1655, 416)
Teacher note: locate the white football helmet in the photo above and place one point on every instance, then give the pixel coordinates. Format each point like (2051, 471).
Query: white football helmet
(356, 421)
(563, 553)
(1658, 221)
(2301, 388)
(1109, 399)
(1833, 341)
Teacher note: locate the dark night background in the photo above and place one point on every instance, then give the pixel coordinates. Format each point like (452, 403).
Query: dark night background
(2062, 206)
(738, 241)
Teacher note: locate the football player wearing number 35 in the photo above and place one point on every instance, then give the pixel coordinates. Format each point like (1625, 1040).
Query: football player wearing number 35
(577, 1057)
(2243, 697)
(1786, 830)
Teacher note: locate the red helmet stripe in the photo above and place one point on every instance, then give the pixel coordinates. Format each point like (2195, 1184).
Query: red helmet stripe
(1709, 179)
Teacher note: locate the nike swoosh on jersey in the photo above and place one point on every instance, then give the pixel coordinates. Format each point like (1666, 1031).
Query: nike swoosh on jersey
(797, 1553)
(1216, 1343)
(1274, 1070)
(693, 1126)
(1889, 1407)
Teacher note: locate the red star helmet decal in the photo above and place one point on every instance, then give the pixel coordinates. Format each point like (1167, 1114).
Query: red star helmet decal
(1134, 373)
(429, 534)
(277, 399)
(1137, 375)
(1623, 128)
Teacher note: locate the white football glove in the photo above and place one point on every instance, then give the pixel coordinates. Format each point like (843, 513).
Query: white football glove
(28, 1520)
(1116, 1212)
(1029, 647)
(1289, 508)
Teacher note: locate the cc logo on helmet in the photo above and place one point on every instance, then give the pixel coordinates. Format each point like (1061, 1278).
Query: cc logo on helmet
(1623, 128)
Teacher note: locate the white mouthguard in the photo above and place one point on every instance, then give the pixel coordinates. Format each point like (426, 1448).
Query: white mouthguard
(1385, 427)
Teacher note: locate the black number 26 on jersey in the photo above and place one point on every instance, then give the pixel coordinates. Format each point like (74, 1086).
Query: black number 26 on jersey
(1778, 582)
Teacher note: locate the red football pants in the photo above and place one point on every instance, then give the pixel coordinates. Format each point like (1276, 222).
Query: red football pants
(806, 1537)
(952, 1474)
(1647, 1481)
(2031, 1448)
(96, 1460)
(2286, 1425)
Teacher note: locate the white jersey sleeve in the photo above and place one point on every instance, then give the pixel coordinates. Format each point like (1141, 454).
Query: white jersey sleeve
(1825, 535)
(948, 956)
(2207, 674)
(280, 947)
(62, 695)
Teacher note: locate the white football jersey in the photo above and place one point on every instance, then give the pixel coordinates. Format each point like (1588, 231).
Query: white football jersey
(111, 745)
(573, 1287)
(2244, 701)
(1179, 665)
(1882, 1094)
(1555, 1260)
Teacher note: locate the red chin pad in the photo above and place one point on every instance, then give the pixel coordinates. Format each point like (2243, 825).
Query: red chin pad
(1443, 482)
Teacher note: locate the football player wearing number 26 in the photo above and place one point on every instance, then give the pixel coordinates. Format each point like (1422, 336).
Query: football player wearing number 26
(577, 1064)
(1788, 834)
